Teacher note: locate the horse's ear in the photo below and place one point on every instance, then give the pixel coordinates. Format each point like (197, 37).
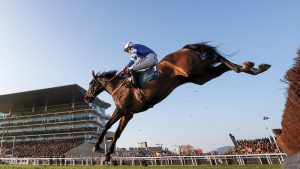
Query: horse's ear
(93, 73)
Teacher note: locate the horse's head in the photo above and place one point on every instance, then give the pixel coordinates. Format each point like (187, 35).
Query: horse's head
(97, 85)
(95, 88)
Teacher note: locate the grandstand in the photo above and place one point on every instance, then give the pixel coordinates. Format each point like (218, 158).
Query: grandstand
(49, 122)
(254, 146)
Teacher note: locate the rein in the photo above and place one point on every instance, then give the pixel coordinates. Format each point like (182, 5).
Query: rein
(104, 84)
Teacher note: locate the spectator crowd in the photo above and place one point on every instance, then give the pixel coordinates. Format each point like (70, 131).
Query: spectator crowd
(44, 149)
(56, 149)
(256, 146)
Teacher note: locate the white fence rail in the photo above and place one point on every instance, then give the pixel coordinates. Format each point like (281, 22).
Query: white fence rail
(268, 159)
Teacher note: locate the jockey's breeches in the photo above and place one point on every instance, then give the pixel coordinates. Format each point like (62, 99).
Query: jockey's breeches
(149, 61)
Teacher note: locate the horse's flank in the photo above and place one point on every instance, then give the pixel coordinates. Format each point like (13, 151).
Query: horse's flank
(177, 70)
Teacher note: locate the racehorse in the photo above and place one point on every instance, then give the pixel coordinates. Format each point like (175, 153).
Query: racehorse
(195, 63)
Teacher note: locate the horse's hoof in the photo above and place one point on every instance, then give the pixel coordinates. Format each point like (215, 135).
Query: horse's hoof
(247, 66)
(264, 67)
(106, 158)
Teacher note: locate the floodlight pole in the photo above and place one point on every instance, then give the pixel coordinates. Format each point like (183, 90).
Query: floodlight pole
(265, 118)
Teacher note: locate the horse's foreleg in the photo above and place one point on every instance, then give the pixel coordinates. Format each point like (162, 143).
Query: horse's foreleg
(114, 118)
(122, 124)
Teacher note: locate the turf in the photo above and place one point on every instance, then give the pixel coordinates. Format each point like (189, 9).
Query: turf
(141, 167)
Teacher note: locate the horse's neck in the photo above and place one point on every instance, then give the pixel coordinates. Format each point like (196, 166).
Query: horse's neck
(113, 85)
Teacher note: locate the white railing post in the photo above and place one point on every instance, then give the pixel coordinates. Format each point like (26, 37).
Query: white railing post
(210, 161)
(259, 157)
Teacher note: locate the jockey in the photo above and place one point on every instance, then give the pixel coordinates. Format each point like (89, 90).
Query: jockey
(142, 58)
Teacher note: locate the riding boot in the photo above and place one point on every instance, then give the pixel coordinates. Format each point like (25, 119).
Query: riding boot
(134, 79)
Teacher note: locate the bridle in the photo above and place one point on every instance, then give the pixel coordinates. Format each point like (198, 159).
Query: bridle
(97, 83)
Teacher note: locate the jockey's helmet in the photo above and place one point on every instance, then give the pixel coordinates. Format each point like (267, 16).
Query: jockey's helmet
(127, 46)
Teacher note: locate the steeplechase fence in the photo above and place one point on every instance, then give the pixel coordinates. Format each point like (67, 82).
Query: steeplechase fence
(212, 160)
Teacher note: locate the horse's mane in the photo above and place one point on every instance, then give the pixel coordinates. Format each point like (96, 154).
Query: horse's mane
(108, 74)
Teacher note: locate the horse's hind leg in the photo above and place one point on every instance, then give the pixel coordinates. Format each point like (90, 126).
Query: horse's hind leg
(122, 124)
(219, 70)
(237, 68)
(247, 67)
(232, 66)
(261, 68)
(214, 73)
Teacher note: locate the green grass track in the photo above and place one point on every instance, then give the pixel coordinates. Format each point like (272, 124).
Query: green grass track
(141, 167)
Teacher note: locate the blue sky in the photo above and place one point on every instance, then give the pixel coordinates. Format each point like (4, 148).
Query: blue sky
(51, 43)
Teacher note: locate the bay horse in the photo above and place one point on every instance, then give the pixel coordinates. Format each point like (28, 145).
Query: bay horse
(195, 63)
